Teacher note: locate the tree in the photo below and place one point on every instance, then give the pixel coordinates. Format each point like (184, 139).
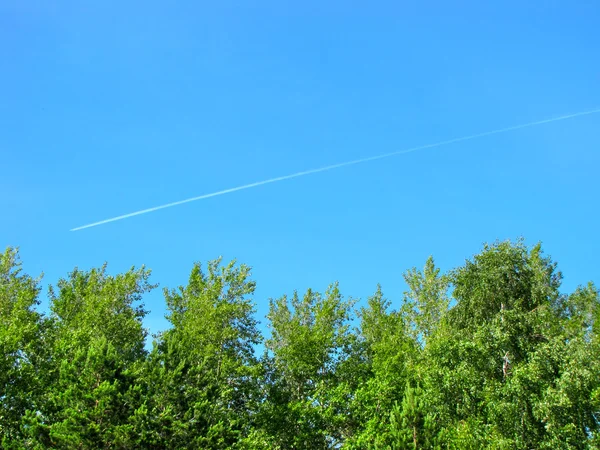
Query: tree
(96, 341)
(309, 344)
(503, 364)
(202, 374)
(491, 355)
(387, 350)
(390, 402)
(21, 346)
(426, 300)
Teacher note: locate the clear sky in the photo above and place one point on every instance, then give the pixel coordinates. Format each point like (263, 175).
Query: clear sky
(110, 107)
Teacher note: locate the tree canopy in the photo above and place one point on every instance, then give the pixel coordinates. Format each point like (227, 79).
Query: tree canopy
(492, 354)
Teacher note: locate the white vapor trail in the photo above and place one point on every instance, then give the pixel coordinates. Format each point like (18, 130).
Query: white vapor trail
(335, 166)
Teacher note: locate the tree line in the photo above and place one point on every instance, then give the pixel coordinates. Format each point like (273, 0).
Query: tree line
(488, 355)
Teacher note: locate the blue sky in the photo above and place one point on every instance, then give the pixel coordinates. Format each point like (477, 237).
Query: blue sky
(111, 107)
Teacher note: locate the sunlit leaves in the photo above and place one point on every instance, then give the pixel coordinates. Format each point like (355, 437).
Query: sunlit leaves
(489, 355)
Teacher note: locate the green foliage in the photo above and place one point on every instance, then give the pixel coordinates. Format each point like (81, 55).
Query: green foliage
(490, 355)
(91, 305)
(21, 352)
(426, 301)
(387, 352)
(309, 347)
(202, 374)
(94, 341)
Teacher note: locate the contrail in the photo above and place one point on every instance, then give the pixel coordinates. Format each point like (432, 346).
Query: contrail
(336, 166)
